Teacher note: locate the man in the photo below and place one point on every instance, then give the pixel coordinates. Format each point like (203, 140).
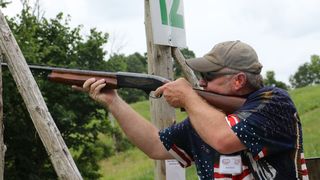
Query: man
(261, 140)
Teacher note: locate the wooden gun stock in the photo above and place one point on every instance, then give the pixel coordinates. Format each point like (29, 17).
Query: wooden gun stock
(227, 104)
(75, 78)
(145, 82)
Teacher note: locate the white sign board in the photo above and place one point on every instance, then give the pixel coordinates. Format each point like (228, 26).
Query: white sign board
(168, 25)
(174, 171)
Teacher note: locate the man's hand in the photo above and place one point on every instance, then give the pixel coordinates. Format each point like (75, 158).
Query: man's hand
(176, 92)
(95, 90)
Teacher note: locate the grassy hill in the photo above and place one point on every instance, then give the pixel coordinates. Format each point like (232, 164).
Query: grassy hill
(134, 165)
(307, 101)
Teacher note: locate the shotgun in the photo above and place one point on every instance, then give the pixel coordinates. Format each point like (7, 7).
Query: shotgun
(145, 82)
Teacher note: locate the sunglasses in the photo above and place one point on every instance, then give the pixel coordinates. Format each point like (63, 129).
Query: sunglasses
(209, 76)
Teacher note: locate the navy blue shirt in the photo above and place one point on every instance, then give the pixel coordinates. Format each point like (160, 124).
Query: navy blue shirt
(267, 124)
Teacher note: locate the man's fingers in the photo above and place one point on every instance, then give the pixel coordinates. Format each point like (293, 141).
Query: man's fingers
(86, 85)
(77, 88)
(99, 87)
(96, 84)
(158, 92)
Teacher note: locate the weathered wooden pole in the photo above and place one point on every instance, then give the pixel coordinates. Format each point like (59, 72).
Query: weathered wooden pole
(159, 63)
(313, 165)
(188, 73)
(2, 145)
(42, 119)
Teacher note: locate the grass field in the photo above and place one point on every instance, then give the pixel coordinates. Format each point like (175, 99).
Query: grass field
(307, 101)
(134, 165)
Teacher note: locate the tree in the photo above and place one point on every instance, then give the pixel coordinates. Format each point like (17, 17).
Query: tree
(132, 63)
(80, 120)
(116, 62)
(307, 74)
(4, 3)
(271, 81)
(137, 63)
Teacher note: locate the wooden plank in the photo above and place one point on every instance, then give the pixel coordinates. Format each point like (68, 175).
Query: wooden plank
(49, 134)
(313, 165)
(2, 145)
(187, 71)
(159, 63)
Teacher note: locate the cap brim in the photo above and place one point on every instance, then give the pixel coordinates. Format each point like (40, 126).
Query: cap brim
(202, 65)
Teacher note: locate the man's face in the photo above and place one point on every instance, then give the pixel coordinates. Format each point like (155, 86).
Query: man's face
(218, 82)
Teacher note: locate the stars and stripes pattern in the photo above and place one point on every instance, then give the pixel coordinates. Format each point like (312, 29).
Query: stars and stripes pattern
(261, 154)
(232, 120)
(183, 158)
(303, 170)
(265, 125)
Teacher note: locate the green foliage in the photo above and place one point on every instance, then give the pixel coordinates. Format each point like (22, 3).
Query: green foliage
(4, 3)
(137, 63)
(24, 148)
(117, 62)
(53, 42)
(132, 63)
(307, 74)
(271, 81)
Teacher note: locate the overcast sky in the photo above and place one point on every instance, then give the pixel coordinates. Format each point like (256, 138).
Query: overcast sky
(285, 33)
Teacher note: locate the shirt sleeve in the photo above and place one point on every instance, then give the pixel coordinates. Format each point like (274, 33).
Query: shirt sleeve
(268, 128)
(175, 140)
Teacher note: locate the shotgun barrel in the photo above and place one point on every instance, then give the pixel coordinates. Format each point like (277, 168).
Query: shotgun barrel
(145, 82)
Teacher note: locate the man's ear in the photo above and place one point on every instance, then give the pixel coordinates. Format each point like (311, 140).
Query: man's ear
(240, 80)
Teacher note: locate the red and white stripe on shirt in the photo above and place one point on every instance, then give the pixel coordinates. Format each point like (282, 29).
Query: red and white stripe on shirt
(232, 120)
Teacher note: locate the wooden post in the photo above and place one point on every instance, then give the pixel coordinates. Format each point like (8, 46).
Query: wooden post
(2, 145)
(42, 119)
(313, 165)
(159, 63)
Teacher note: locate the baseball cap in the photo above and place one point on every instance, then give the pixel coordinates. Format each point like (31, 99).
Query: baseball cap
(230, 54)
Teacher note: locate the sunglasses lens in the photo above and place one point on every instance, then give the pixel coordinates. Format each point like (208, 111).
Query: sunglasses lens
(203, 76)
(207, 76)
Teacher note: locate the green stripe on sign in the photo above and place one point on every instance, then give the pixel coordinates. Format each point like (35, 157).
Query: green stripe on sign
(176, 20)
(163, 9)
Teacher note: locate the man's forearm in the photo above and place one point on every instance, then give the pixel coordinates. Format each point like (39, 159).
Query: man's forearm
(211, 125)
(139, 131)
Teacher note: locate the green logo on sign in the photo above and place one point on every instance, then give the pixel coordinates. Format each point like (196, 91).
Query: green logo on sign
(176, 20)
